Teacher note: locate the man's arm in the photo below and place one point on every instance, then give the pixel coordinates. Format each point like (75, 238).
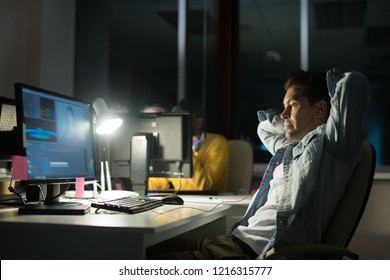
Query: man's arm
(271, 130)
(350, 95)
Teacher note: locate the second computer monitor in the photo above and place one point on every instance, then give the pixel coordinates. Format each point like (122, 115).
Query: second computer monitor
(169, 136)
(171, 154)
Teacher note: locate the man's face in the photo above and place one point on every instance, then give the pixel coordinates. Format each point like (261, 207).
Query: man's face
(299, 117)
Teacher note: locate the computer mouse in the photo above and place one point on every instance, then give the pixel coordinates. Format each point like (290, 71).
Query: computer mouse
(172, 199)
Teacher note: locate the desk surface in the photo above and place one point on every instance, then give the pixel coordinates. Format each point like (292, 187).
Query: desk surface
(150, 221)
(112, 230)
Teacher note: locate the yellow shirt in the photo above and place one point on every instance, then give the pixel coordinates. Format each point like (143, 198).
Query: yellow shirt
(210, 168)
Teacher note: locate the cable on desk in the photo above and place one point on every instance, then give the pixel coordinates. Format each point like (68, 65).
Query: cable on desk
(12, 190)
(203, 210)
(61, 193)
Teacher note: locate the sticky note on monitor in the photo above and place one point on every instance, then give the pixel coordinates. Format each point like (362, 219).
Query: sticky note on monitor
(79, 188)
(19, 167)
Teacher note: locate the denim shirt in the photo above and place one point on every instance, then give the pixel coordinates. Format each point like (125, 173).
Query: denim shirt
(317, 168)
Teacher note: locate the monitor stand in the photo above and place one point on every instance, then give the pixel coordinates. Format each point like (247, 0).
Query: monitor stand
(64, 208)
(53, 206)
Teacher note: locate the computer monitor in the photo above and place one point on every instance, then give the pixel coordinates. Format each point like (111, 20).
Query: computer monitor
(152, 145)
(58, 144)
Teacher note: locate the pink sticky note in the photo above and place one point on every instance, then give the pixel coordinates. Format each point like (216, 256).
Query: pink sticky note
(19, 167)
(79, 187)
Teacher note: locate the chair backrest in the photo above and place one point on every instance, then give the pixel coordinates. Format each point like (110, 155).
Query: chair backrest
(351, 206)
(240, 166)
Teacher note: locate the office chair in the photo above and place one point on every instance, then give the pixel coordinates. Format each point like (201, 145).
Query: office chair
(240, 166)
(345, 219)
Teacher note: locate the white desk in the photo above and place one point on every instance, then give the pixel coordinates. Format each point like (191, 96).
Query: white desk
(104, 235)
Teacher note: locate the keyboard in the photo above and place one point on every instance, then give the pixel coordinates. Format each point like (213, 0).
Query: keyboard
(131, 205)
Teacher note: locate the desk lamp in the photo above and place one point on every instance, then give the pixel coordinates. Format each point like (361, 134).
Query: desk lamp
(106, 123)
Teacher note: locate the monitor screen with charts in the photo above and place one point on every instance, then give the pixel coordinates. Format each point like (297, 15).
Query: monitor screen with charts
(58, 138)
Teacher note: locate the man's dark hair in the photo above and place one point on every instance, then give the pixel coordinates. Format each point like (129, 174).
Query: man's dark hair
(310, 84)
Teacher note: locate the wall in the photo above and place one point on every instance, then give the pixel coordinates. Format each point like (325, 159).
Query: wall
(20, 44)
(37, 44)
(58, 45)
(372, 237)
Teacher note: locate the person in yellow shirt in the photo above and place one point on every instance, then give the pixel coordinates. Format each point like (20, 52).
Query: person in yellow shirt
(210, 157)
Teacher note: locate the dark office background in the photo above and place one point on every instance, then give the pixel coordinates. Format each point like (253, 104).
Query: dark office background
(238, 53)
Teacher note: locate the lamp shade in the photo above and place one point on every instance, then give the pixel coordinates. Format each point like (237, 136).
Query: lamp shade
(106, 121)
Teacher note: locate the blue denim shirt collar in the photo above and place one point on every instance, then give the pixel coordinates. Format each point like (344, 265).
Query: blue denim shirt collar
(301, 145)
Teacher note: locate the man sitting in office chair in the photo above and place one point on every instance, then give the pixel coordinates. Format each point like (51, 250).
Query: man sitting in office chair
(316, 142)
(210, 156)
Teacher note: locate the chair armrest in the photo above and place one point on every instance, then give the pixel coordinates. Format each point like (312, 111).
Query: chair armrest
(318, 251)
